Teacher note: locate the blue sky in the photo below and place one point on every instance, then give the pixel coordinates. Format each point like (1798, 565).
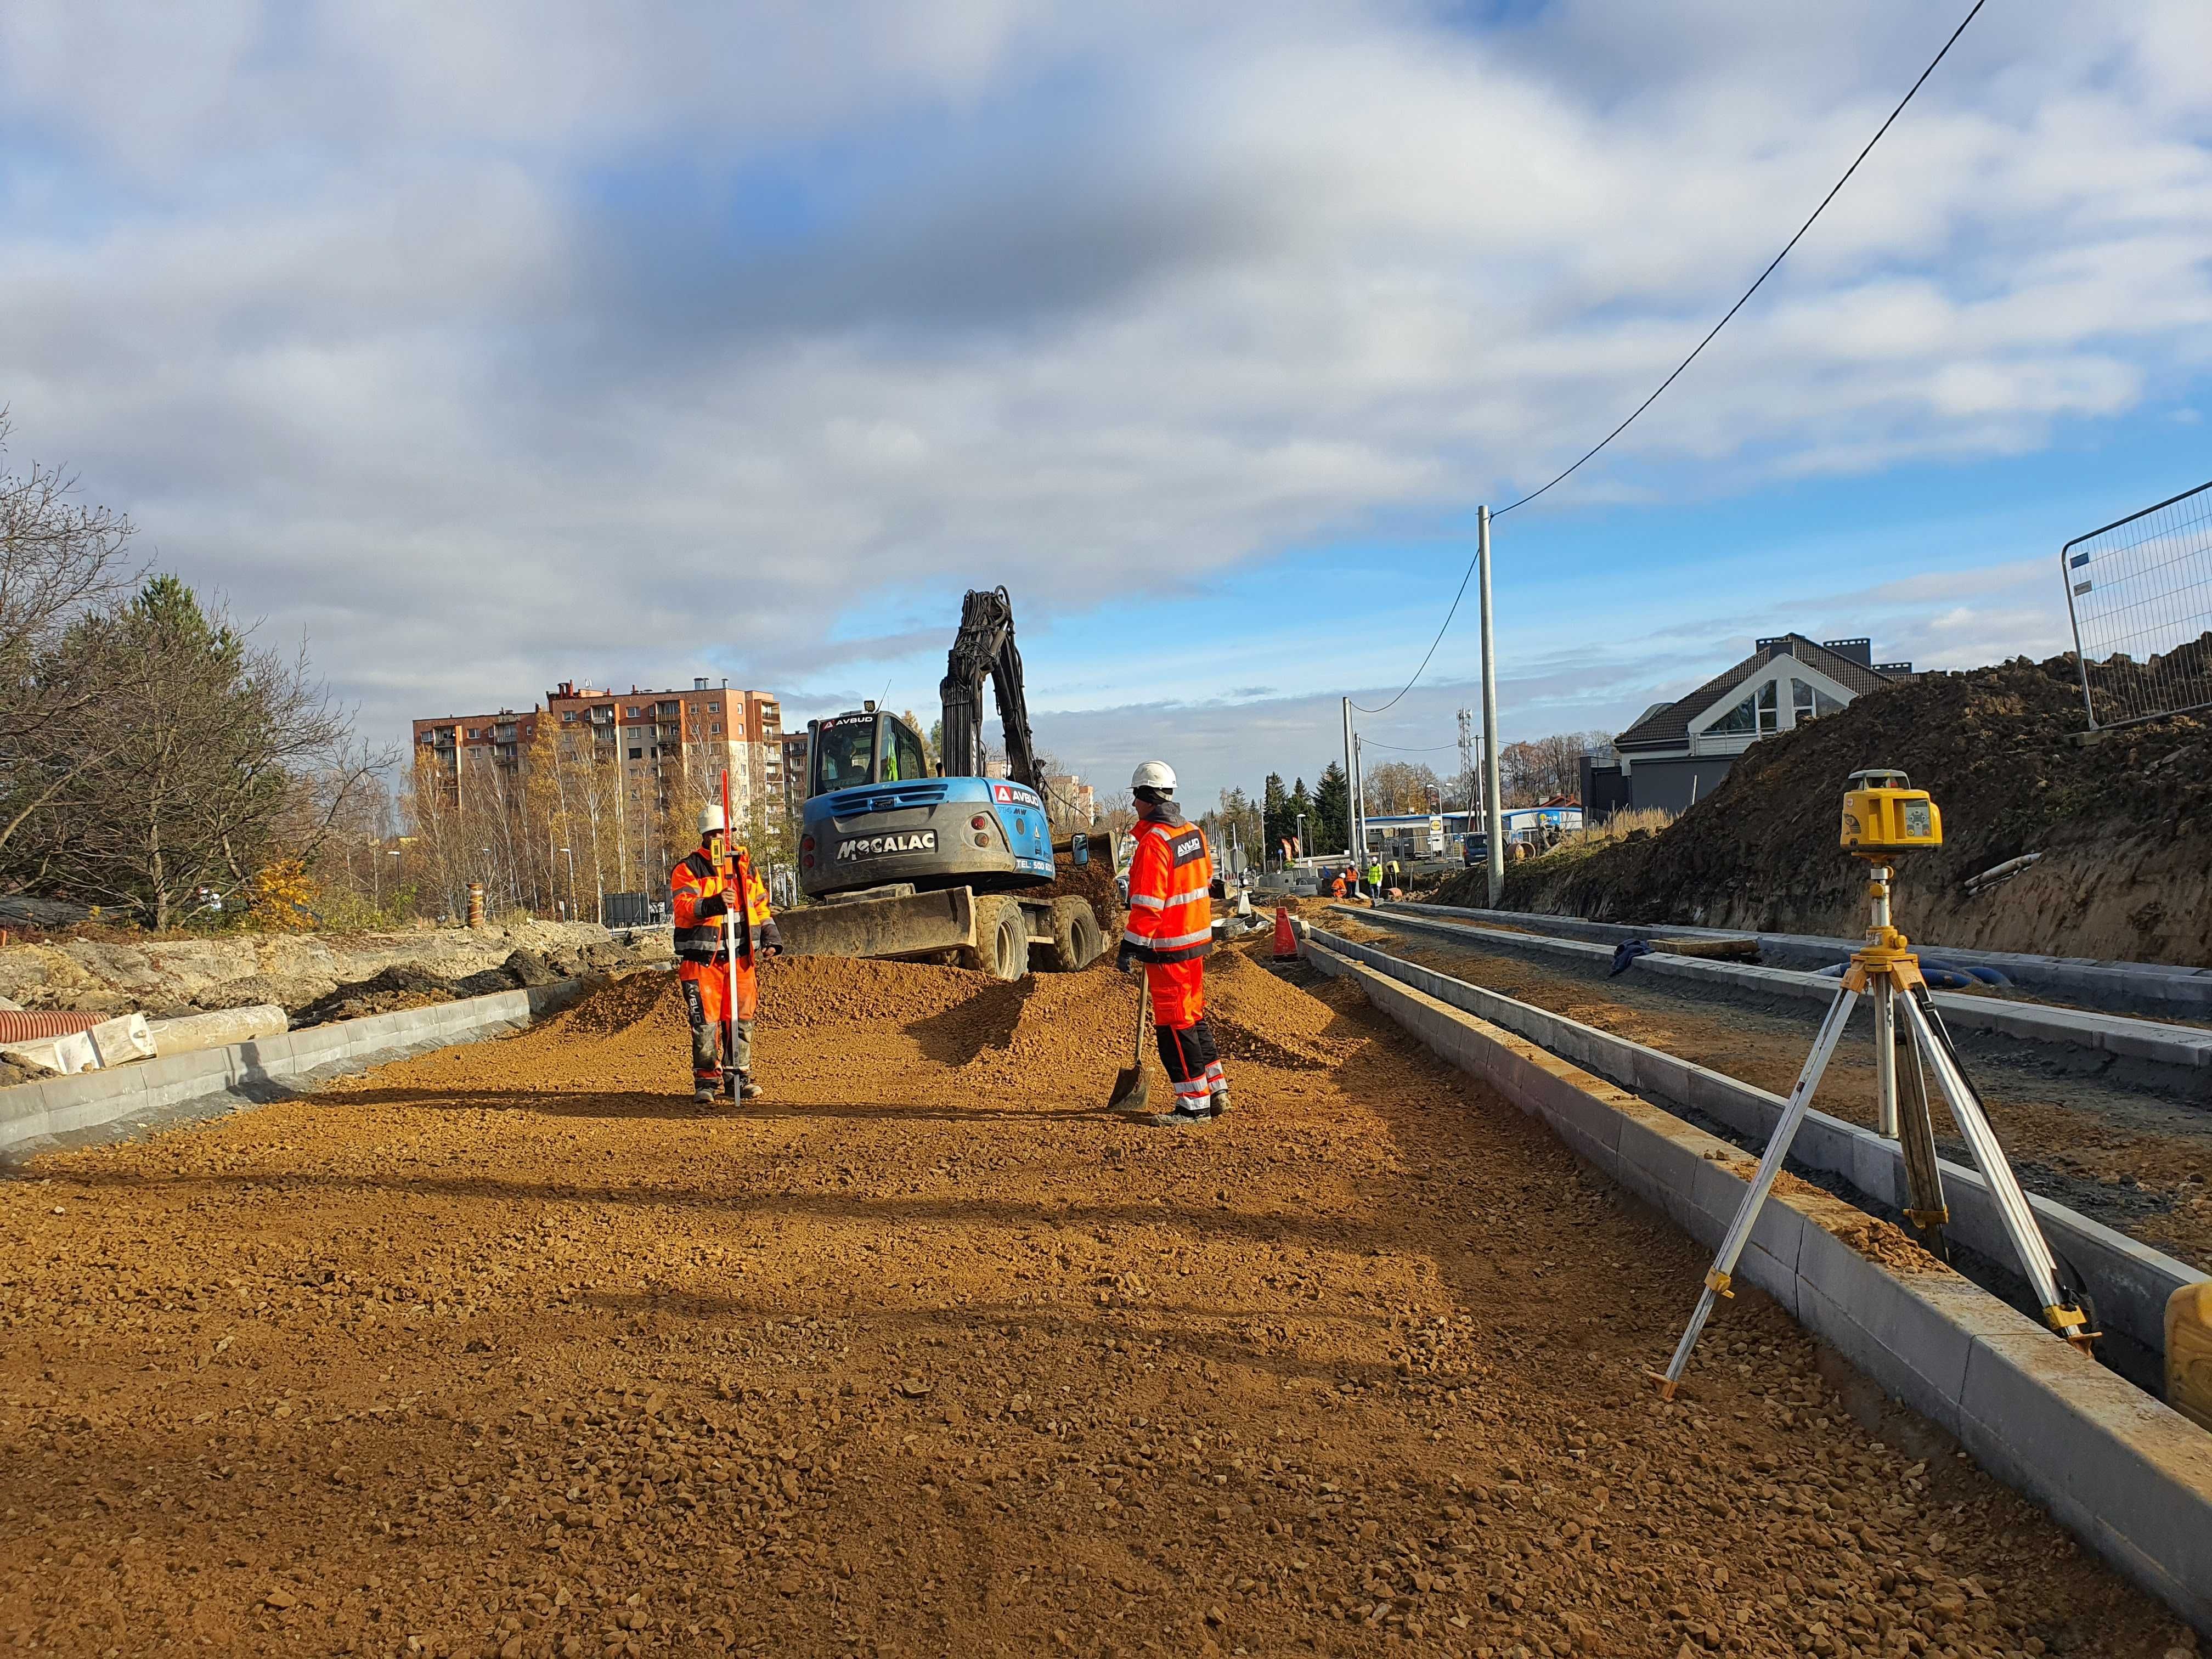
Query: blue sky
(492, 346)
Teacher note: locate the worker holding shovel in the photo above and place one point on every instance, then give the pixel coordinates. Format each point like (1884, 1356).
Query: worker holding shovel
(1169, 932)
(718, 944)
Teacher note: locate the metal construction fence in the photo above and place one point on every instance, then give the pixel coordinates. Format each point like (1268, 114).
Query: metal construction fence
(2139, 592)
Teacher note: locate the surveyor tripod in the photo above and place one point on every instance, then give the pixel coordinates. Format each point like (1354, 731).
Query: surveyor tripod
(1907, 1031)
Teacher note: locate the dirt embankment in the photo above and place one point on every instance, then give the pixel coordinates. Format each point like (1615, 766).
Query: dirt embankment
(510, 1350)
(2125, 826)
(336, 976)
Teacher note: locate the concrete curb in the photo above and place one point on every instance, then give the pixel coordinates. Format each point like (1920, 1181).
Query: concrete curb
(33, 1112)
(2180, 1046)
(2153, 988)
(2130, 1281)
(2129, 1477)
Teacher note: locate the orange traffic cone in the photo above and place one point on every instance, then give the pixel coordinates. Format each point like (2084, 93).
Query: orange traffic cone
(1287, 943)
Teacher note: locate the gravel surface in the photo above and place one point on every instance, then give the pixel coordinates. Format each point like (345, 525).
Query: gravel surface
(509, 1349)
(2081, 1129)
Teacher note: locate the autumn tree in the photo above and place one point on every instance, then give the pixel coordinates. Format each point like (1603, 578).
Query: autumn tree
(210, 741)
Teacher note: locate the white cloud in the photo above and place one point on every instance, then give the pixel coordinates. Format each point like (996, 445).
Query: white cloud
(496, 345)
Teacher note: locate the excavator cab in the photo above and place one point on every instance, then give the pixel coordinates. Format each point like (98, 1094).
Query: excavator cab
(868, 746)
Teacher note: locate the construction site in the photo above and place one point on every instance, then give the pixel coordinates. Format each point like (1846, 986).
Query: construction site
(747, 1166)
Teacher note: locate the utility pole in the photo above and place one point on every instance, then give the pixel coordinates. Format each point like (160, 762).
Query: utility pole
(1350, 807)
(1358, 807)
(1493, 800)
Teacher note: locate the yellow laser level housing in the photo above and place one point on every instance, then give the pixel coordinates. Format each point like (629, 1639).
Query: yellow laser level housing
(1884, 814)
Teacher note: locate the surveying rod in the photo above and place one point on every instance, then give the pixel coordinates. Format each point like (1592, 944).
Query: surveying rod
(735, 926)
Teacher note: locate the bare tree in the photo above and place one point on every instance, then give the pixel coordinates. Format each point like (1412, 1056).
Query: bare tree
(60, 562)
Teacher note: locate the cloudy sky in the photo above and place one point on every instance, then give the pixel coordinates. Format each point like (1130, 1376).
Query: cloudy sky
(492, 344)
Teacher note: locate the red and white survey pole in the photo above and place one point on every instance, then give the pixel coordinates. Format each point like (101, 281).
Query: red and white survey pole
(736, 925)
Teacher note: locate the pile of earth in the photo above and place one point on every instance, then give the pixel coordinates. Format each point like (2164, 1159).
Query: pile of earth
(2124, 824)
(1093, 880)
(407, 985)
(111, 971)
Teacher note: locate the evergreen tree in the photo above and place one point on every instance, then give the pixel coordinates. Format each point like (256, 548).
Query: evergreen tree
(1331, 820)
(1272, 828)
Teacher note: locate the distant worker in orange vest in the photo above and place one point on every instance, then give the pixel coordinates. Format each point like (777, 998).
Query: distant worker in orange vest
(1336, 886)
(699, 898)
(1169, 934)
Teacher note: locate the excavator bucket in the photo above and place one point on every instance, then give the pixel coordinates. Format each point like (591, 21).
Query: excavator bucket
(1133, 1092)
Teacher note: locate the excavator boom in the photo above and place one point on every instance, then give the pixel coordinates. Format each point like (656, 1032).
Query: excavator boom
(985, 646)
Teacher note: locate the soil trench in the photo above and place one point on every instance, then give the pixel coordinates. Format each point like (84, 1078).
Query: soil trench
(510, 1350)
(2078, 1130)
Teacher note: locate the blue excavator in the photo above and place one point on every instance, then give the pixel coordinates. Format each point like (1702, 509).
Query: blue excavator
(899, 861)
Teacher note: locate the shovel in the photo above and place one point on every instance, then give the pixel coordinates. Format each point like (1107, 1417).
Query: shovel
(1132, 1094)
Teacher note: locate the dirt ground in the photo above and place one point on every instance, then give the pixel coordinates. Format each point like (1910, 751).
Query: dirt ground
(2125, 826)
(2138, 1160)
(509, 1350)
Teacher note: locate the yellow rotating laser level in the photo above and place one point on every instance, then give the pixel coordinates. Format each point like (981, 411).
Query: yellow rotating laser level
(1884, 815)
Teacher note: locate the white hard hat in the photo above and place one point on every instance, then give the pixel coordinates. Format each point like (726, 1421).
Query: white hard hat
(1154, 774)
(710, 820)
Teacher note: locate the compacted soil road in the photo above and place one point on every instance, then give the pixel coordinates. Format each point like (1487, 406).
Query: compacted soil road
(509, 1349)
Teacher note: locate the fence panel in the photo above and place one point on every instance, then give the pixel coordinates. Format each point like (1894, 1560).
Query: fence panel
(2139, 592)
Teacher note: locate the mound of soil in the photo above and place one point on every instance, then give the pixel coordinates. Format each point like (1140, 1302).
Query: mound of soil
(2123, 823)
(1093, 881)
(404, 984)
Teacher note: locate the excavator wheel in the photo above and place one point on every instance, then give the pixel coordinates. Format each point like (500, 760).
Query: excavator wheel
(1077, 938)
(1002, 939)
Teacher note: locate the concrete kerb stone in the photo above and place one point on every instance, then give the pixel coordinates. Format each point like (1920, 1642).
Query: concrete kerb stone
(2129, 1280)
(2129, 1476)
(32, 1112)
(2117, 1034)
(2151, 989)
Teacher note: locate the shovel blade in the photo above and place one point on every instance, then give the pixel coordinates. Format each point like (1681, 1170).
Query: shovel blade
(1133, 1092)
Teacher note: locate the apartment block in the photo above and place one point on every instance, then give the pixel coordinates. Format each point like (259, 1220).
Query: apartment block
(673, 743)
(455, 745)
(672, 747)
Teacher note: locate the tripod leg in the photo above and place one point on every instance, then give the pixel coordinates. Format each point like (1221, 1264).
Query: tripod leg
(1924, 1181)
(1769, 1166)
(2063, 1314)
(1885, 1058)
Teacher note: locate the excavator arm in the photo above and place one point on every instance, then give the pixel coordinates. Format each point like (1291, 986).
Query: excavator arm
(985, 646)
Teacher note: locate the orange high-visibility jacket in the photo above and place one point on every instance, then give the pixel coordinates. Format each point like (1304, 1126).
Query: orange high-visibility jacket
(699, 941)
(1170, 914)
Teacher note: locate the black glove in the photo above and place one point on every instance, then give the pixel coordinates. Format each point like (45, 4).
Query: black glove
(767, 951)
(1125, 959)
(707, 909)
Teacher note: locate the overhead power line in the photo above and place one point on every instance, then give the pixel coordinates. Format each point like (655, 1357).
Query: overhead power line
(1401, 748)
(1772, 265)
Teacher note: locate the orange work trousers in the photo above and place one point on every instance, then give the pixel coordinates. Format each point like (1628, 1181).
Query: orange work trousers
(1178, 992)
(706, 999)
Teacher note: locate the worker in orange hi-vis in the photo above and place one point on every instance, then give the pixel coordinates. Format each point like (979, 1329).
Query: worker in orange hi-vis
(1169, 934)
(699, 900)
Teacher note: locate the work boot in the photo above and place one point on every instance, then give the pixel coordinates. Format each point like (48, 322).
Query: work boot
(1218, 1101)
(705, 1093)
(746, 1088)
(1183, 1118)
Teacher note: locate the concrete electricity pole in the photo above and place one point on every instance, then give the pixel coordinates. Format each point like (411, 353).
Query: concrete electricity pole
(1351, 796)
(1493, 800)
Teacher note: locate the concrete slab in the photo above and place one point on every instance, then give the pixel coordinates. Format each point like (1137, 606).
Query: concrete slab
(2149, 988)
(34, 1115)
(2151, 1040)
